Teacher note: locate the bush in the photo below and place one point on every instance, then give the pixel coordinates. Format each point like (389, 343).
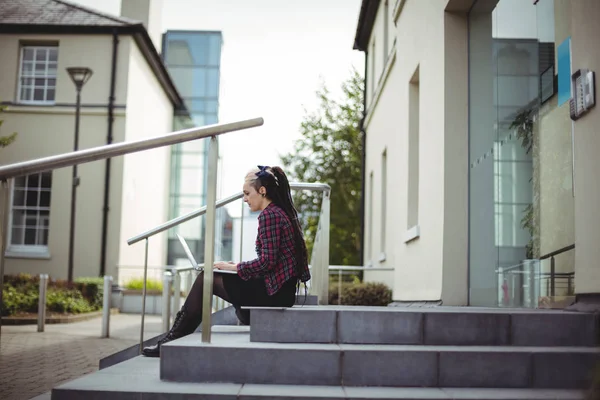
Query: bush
(361, 294)
(138, 284)
(15, 301)
(21, 295)
(67, 301)
(92, 290)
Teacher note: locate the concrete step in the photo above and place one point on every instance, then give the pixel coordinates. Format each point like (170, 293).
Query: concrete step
(461, 326)
(233, 358)
(138, 379)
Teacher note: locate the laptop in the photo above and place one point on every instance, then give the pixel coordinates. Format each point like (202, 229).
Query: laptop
(192, 260)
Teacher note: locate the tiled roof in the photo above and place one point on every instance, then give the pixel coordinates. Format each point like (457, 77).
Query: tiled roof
(56, 12)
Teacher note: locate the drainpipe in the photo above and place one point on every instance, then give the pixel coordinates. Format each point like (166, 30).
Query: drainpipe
(364, 165)
(109, 140)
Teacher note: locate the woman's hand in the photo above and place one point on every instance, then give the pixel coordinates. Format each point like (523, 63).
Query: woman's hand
(226, 266)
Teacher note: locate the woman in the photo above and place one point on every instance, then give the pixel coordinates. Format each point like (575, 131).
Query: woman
(271, 279)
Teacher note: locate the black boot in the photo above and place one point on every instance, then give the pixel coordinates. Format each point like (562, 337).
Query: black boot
(180, 328)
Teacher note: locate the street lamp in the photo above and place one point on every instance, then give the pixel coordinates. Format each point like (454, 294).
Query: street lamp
(79, 76)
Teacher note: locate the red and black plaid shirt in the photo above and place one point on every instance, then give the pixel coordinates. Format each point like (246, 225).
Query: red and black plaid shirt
(277, 260)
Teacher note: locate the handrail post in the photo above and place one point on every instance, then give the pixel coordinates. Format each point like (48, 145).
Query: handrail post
(324, 273)
(242, 232)
(144, 297)
(106, 295)
(42, 302)
(166, 298)
(5, 188)
(176, 292)
(552, 272)
(209, 238)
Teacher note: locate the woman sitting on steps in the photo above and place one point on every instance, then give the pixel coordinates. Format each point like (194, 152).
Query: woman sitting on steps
(271, 279)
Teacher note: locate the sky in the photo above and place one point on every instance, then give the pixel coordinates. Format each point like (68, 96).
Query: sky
(276, 54)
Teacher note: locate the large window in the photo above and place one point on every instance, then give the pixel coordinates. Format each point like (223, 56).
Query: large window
(37, 74)
(31, 213)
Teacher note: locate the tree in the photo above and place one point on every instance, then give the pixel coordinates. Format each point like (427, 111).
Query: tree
(6, 140)
(330, 151)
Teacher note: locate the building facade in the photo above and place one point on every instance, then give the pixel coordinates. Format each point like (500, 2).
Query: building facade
(480, 188)
(130, 96)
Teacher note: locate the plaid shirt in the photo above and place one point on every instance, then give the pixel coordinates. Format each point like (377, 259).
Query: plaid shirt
(276, 261)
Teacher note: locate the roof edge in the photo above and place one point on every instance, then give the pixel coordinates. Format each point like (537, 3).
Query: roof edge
(119, 19)
(366, 20)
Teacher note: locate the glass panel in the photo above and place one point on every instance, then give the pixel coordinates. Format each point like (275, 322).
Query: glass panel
(40, 69)
(17, 236)
(212, 106)
(30, 234)
(50, 94)
(38, 95)
(214, 57)
(27, 67)
(520, 192)
(213, 83)
(45, 198)
(53, 54)
(27, 54)
(40, 55)
(26, 93)
(19, 197)
(190, 48)
(51, 69)
(46, 180)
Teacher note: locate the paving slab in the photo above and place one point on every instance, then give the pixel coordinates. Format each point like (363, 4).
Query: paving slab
(32, 363)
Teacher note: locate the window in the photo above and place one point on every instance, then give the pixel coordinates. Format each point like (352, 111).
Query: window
(383, 202)
(30, 218)
(413, 151)
(37, 78)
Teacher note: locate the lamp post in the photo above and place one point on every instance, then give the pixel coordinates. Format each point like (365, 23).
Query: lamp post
(79, 76)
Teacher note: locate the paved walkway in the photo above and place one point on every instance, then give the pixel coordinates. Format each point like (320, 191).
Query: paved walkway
(32, 363)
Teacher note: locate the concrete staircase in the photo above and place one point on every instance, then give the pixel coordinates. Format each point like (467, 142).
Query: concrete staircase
(366, 353)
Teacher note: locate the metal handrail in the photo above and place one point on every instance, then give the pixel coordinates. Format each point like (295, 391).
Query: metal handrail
(118, 149)
(9, 172)
(223, 202)
(557, 252)
(322, 187)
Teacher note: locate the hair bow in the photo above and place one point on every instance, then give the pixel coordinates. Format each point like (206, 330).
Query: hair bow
(263, 174)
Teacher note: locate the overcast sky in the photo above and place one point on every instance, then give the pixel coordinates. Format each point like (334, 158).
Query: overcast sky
(275, 55)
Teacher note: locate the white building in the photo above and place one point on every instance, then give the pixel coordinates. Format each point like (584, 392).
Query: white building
(130, 96)
(471, 152)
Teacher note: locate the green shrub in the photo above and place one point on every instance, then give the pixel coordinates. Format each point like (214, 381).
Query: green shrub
(92, 290)
(21, 295)
(67, 301)
(361, 294)
(138, 284)
(15, 300)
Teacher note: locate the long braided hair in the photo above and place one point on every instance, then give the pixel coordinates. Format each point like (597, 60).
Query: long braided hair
(278, 190)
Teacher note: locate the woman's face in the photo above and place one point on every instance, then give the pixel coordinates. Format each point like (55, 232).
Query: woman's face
(252, 197)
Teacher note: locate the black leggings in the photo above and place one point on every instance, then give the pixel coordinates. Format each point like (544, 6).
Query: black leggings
(240, 293)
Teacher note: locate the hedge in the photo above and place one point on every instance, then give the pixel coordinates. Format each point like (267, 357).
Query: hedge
(361, 294)
(21, 295)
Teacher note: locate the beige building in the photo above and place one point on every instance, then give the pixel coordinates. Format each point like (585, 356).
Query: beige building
(130, 96)
(480, 188)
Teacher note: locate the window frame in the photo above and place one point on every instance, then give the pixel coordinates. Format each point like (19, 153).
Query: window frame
(20, 77)
(25, 250)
